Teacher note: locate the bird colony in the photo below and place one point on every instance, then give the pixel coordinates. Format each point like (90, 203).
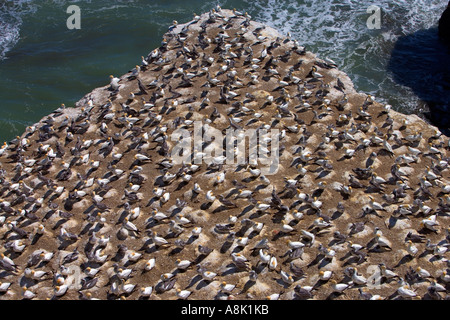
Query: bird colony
(94, 207)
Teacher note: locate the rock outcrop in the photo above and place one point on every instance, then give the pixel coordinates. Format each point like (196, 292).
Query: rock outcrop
(444, 24)
(93, 204)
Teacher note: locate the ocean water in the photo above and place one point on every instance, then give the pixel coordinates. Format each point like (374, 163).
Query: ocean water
(44, 64)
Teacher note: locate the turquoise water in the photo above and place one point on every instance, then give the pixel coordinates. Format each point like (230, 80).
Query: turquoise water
(44, 64)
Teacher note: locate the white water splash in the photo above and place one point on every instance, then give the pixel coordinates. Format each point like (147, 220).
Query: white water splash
(11, 13)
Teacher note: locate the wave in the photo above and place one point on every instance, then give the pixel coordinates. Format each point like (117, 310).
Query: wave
(332, 25)
(11, 14)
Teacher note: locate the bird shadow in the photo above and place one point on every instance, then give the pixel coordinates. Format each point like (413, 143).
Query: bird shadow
(175, 251)
(206, 205)
(336, 214)
(319, 283)
(249, 179)
(318, 258)
(282, 283)
(392, 222)
(435, 258)
(255, 215)
(86, 229)
(65, 244)
(260, 187)
(324, 262)
(221, 209)
(407, 258)
(334, 295)
(226, 245)
(202, 284)
(181, 185)
(419, 61)
(426, 231)
(247, 286)
(193, 281)
(35, 239)
(199, 259)
(351, 260)
(246, 209)
(191, 239)
(4, 274)
(322, 174)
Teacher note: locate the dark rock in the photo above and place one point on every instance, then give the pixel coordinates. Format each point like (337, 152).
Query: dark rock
(444, 24)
